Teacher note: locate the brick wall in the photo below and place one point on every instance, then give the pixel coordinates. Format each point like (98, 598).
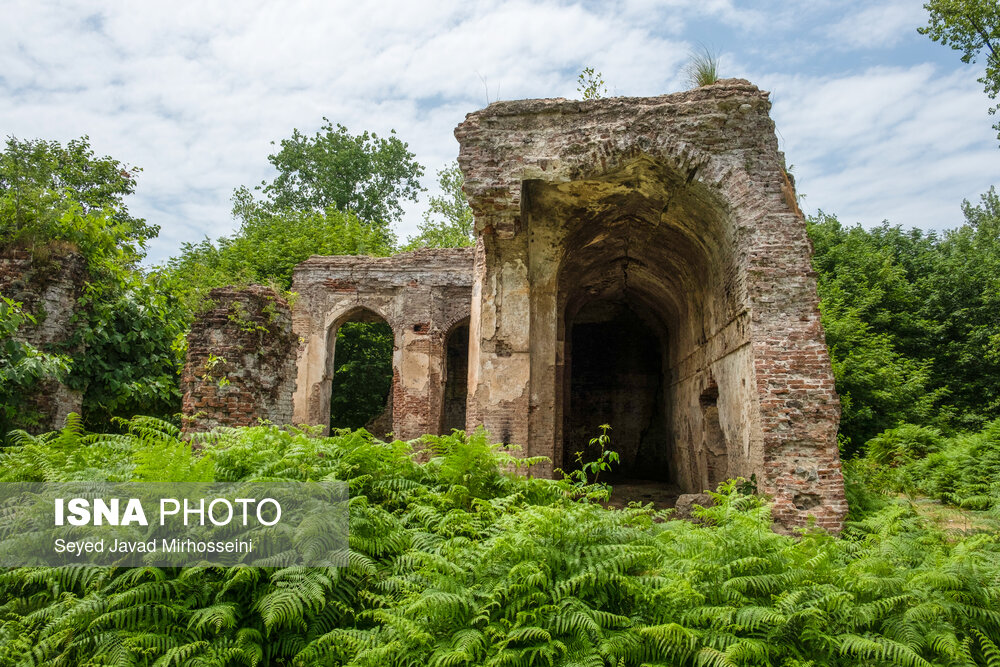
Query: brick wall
(48, 283)
(240, 364)
(421, 295)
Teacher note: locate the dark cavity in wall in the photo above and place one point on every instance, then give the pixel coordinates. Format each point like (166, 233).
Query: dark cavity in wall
(362, 380)
(715, 440)
(617, 378)
(456, 379)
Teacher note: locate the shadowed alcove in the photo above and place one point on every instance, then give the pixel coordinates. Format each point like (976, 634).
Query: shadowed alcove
(456, 373)
(615, 372)
(639, 292)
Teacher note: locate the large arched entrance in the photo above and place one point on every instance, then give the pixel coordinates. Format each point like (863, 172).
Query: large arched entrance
(638, 261)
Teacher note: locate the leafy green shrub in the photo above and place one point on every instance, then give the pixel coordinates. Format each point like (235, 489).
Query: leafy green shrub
(966, 472)
(904, 444)
(520, 574)
(50, 192)
(963, 470)
(864, 495)
(21, 366)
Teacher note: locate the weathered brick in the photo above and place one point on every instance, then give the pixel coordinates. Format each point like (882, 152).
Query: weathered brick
(240, 364)
(48, 283)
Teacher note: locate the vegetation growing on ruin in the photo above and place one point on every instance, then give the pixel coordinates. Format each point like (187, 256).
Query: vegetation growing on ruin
(703, 67)
(590, 84)
(57, 199)
(21, 364)
(456, 562)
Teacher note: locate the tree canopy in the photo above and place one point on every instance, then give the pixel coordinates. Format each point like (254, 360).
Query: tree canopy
(123, 353)
(50, 192)
(911, 320)
(367, 175)
(448, 220)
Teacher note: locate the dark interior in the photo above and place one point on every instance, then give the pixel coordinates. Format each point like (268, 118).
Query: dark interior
(616, 377)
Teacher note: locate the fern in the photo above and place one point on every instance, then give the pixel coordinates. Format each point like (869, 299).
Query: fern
(458, 561)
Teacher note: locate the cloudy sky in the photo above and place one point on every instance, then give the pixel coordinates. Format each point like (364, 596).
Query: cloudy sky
(878, 121)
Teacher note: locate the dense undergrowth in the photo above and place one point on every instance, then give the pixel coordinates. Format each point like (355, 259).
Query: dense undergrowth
(456, 562)
(961, 470)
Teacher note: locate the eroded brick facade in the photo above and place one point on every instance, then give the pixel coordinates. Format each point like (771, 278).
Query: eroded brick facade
(48, 283)
(240, 364)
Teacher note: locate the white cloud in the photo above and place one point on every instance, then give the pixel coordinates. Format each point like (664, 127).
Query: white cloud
(195, 92)
(877, 26)
(903, 144)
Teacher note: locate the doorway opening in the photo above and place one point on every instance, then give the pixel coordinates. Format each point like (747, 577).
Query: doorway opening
(456, 385)
(615, 363)
(715, 452)
(361, 395)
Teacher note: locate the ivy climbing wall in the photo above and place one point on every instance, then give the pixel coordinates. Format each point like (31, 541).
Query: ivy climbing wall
(48, 285)
(240, 366)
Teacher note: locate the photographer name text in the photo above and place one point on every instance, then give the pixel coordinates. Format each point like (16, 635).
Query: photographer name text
(78, 548)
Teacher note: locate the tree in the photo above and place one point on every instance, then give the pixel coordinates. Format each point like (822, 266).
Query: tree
(57, 199)
(911, 321)
(879, 342)
(448, 222)
(132, 339)
(591, 84)
(365, 174)
(267, 247)
(964, 302)
(969, 26)
(50, 192)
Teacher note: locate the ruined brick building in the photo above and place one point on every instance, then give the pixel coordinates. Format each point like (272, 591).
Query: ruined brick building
(47, 285)
(640, 262)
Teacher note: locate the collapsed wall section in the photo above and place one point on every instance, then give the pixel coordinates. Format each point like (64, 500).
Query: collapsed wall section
(240, 365)
(48, 284)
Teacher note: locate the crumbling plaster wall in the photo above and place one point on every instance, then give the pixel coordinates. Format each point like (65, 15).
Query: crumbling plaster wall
(48, 284)
(422, 295)
(709, 240)
(240, 364)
